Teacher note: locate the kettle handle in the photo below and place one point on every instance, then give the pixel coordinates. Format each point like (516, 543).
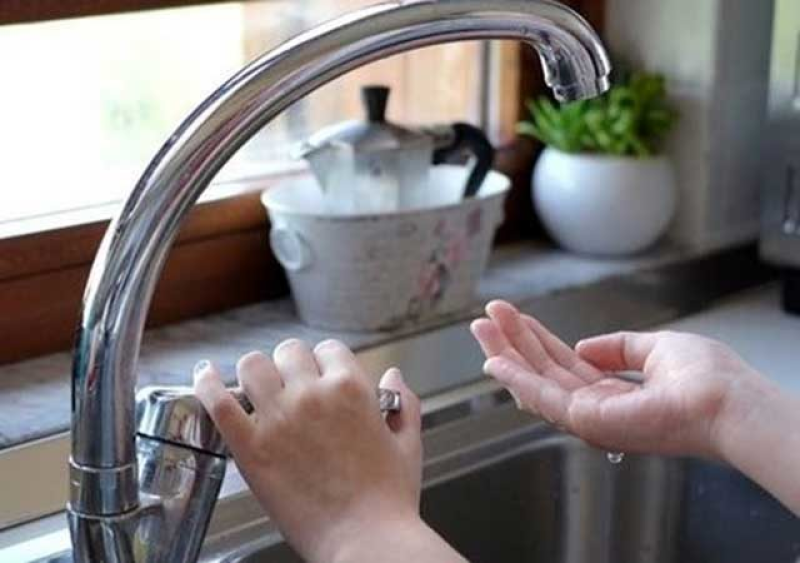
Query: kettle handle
(465, 137)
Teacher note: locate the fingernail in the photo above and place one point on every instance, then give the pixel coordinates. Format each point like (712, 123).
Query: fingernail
(200, 367)
(289, 342)
(395, 372)
(519, 404)
(491, 365)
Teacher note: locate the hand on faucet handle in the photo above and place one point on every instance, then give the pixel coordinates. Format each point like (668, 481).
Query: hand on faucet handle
(341, 483)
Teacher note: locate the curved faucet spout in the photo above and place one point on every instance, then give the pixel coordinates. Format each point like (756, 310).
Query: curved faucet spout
(121, 284)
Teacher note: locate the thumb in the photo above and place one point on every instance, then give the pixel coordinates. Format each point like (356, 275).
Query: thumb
(619, 351)
(407, 423)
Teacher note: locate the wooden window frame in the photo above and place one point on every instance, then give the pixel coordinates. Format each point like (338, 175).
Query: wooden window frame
(221, 257)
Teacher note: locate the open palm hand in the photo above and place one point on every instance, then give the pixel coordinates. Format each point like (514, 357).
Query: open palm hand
(686, 381)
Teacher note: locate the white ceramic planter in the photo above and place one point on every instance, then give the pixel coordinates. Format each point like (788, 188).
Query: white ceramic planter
(604, 205)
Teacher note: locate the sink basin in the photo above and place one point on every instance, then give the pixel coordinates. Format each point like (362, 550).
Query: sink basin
(503, 487)
(532, 494)
(563, 502)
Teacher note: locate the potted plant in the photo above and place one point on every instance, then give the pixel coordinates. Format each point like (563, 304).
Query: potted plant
(601, 186)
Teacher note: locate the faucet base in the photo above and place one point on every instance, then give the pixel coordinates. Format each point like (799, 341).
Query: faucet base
(178, 490)
(89, 489)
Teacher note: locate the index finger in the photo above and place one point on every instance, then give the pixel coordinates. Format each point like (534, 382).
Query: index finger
(561, 353)
(528, 344)
(228, 415)
(493, 342)
(333, 356)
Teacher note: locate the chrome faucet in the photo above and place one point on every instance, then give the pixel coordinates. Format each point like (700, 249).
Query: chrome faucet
(147, 495)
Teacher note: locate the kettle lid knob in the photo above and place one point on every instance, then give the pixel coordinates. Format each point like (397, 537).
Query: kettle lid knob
(375, 100)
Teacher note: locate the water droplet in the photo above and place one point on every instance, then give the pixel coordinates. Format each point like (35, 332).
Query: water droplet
(615, 457)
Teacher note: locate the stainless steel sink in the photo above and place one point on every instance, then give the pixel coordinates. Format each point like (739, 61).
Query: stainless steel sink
(503, 489)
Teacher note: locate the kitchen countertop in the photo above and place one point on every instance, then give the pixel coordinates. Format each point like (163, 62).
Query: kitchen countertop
(758, 329)
(607, 294)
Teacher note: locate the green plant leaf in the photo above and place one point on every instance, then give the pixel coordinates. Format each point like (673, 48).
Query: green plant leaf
(631, 119)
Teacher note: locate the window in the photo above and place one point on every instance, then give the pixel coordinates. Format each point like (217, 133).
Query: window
(88, 101)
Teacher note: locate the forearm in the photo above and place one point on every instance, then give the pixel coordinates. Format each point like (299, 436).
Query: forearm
(397, 542)
(761, 438)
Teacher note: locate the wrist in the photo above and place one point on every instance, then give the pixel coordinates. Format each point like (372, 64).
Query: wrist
(394, 540)
(749, 401)
(373, 537)
(758, 437)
